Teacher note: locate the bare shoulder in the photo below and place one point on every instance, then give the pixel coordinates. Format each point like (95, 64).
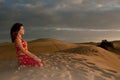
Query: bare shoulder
(17, 40)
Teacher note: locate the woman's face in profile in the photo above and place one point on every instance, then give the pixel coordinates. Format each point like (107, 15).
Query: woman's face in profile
(21, 31)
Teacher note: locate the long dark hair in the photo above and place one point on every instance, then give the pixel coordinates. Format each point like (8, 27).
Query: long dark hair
(14, 31)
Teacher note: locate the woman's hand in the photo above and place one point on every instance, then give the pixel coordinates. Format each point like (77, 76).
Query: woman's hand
(36, 58)
(40, 62)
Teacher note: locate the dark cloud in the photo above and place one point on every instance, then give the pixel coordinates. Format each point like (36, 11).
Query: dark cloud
(69, 13)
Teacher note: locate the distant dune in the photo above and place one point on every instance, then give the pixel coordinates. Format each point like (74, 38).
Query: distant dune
(63, 61)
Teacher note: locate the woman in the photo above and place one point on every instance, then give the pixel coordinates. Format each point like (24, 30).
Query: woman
(25, 57)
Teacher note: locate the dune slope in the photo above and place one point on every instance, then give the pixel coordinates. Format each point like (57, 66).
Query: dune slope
(63, 61)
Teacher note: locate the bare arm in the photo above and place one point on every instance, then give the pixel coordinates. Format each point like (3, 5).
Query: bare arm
(25, 51)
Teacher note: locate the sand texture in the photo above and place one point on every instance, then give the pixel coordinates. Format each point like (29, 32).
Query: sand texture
(63, 61)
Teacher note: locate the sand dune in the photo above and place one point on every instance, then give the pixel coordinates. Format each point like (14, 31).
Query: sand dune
(49, 45)
(63, 61)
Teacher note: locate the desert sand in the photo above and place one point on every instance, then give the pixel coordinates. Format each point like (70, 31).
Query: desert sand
(63, 61)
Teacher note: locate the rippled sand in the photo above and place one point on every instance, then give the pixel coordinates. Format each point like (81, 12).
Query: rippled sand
(83, 62)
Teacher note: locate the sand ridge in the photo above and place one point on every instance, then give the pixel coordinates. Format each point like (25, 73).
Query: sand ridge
(63, 61)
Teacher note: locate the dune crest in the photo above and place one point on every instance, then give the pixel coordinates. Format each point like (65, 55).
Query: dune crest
(63, 61)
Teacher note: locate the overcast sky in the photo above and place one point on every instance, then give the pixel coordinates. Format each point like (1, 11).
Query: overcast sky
(88, 14)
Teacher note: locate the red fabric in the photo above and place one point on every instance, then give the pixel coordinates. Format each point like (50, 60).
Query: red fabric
(28, 61)
(24, 59)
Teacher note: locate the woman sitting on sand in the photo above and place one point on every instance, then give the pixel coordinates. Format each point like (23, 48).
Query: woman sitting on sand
(25, 57)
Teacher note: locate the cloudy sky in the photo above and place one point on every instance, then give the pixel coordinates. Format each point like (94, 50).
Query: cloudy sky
(93, 15)
(71, 13)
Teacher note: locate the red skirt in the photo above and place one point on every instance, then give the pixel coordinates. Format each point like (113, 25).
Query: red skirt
(25, 60)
